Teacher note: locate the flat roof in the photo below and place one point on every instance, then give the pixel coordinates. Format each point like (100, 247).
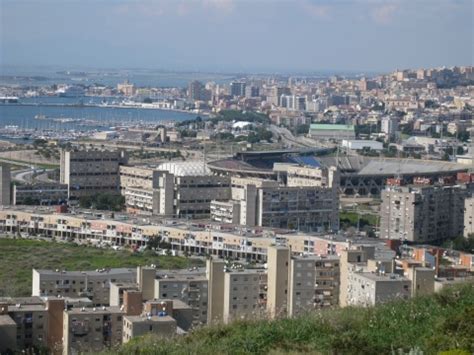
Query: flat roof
(6, 320)
(95, 310)
(332, 127)
(152, 319)
(105, 272)
(382, 277)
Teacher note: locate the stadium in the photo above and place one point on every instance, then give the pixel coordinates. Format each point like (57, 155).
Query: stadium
(360, 175)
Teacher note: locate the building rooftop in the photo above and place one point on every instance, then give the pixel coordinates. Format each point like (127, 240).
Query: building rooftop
(152, 319)
(27, 308)
(95, 310)
(101, 272)
(382, 277)
(331, 127)
(6, 320)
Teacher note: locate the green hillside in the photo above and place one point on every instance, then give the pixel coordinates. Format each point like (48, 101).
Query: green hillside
(442, 323)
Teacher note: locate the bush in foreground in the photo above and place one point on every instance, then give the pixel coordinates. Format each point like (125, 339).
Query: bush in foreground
(441, 323)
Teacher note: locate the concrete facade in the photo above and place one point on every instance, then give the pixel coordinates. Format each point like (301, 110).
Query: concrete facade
(90, 172)
(469, 216)
(369, 289)
(422, 214)
(5, 185)
(92, 284)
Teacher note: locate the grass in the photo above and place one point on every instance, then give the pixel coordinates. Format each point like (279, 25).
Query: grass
(436, 324)
(350, 218)
(19, 256)
(38, 165)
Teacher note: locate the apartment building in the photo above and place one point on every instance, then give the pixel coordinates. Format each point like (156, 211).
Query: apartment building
(422, 280)
(225, 211)
(180, 311)
(30, 322)
(117, 291)
(350, 260)
(162, 325)
(90, 172)
(278, 260)
(469, 216)
(245, 293)
(422, 213)
(91, 329)
(97, 227)
(308, 202)
(92, 284)
(314, 283)
(190, 288)
(370, 288)
(40, 194)
(234, 292)
(183, 189)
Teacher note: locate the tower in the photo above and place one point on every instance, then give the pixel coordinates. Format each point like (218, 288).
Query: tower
(5, 185)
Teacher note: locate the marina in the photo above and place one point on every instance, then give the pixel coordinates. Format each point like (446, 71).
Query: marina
(62, 114)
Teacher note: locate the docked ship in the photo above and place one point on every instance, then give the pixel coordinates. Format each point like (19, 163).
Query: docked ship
(8, 99)
(71, 91)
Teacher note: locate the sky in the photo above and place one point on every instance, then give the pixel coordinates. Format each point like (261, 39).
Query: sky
(238, 35)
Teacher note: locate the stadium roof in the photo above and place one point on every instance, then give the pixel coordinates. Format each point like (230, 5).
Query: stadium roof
(191, 168)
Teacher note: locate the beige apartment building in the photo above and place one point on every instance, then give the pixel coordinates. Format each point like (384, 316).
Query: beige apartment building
(183, 189)
(191, 289)
(235, 293)
(90, 172)
(314, 284)
(92, 284)
(217, 239)
(161, 325)
(31, 322)
(371, 288)
(308, 202)
(91, 329)
(422, 280)
(278, 260)
(225, 211)
(422, 213)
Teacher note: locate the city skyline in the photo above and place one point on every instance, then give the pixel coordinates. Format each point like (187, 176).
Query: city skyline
(238, 36)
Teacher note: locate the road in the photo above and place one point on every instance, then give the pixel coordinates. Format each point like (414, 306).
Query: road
(300, 141)
(31, 174)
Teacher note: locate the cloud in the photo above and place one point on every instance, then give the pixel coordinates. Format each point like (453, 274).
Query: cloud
(383, 15)
(223, 6)
(317, 10)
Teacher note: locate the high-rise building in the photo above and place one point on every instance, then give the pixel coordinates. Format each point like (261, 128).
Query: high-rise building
(308, 202)
(90, 172)
(185, 189)
(198, 92)
(126, 88)
(237, 88)
(5, 185)
(278, 259)
(422, 214)
(469, 216)
(314, 283)
(275, 93)
(389, 126)
(252, 91)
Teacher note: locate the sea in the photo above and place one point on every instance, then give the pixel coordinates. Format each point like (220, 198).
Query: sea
(23, 115)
